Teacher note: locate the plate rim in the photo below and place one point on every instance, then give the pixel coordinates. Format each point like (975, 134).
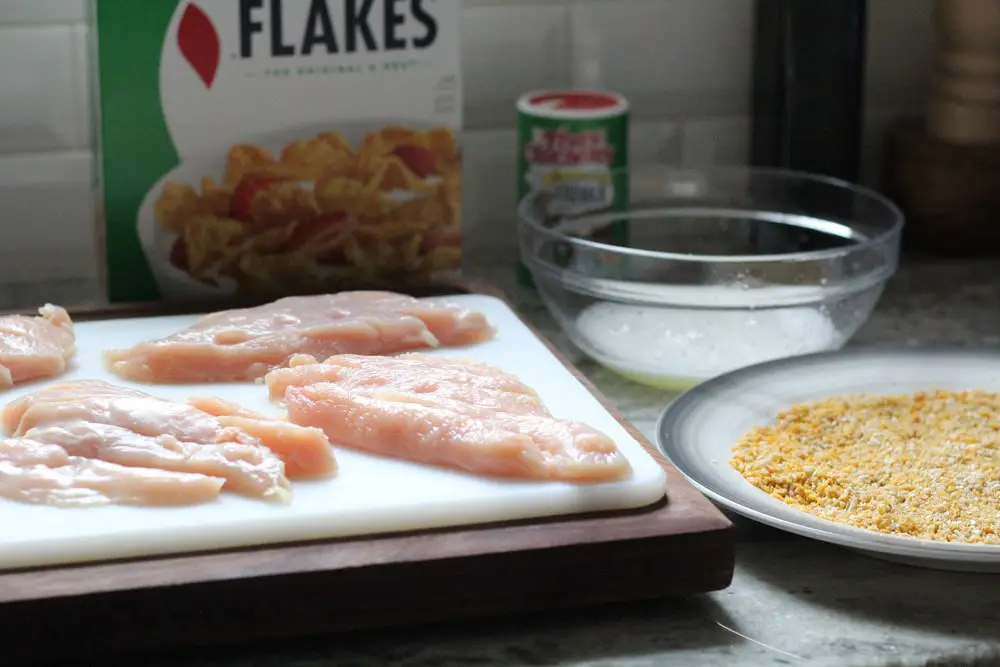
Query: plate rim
(846, 536)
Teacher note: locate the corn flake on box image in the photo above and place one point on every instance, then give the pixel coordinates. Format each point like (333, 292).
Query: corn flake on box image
(261, 148)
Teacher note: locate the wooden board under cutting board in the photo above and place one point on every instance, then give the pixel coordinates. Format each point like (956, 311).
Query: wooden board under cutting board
(384, 543)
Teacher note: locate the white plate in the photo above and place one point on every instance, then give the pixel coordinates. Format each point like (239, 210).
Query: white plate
(698, 430)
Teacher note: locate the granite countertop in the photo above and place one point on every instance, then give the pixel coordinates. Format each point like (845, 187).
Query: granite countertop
(792, 601)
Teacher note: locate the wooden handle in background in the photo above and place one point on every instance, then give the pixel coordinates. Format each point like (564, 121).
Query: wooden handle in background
(964, 104)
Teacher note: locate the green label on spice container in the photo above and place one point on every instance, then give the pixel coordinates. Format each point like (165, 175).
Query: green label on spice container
(574, 146)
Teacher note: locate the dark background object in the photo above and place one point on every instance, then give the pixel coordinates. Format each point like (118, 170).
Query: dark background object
(949, 192)
(808, 87)
(942, 167)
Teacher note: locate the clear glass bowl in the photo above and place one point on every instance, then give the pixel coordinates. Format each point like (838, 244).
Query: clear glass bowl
(717, 268)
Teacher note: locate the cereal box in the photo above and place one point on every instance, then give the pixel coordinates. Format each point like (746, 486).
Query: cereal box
(260, 148)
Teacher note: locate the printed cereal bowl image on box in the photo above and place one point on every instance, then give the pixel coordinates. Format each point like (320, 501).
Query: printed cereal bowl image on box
(361, 204)
(261, 148)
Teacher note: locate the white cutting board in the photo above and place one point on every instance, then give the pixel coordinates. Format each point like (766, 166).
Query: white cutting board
(369, 495)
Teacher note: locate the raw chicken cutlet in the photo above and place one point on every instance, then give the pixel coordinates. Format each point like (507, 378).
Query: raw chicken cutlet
(98, 421)
(244, 344)
(464, 385)
(41, 474)
(454, 413)
(33, 348)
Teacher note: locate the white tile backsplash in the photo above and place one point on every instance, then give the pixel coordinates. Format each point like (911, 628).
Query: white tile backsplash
(38, 111)
(46, 217)
(676, 58)
(82, 102)
(715, 141)
(24, 12)
(684, 64)
(507, 51)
